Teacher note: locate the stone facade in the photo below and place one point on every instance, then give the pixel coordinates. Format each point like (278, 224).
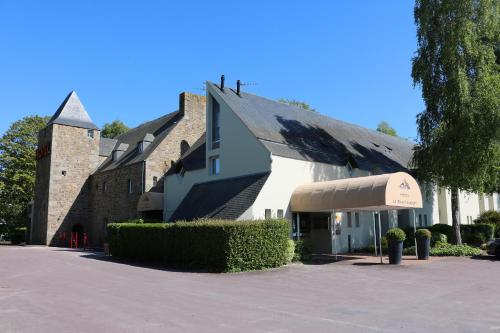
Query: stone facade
(61, 190)
(73, 189)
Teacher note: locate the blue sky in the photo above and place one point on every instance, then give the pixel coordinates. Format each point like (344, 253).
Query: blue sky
(129, 60)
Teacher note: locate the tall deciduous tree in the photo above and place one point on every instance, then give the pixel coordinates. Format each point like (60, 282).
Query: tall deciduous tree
(457, 69)
(18, 168)
(299, 104)
(384, 127)
(113, 129)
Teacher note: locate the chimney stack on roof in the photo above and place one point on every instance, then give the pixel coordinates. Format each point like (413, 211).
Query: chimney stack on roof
(222, 79)
(238, 87)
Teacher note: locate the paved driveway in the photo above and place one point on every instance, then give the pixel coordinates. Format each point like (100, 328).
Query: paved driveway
(53, 290)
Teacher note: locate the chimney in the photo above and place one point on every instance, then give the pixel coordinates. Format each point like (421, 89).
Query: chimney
(192, 105)
(222, 78)
(238, 87)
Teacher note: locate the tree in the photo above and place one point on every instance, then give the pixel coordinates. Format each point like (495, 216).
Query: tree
(18, 168)
(384, 127)
(293, 102)
(113, 129)
(456, 66)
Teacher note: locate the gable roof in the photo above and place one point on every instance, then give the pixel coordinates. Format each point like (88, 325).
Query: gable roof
(155, 130)
(223, 199)
(72, 113)
(193, 159)
(106, 146)
(293, 132)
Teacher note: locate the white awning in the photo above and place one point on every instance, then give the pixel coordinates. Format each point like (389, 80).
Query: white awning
(383, 192)
(150, 201)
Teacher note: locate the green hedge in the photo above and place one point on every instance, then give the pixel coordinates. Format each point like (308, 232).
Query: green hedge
(18, 235)
(490, 217)
(215, 245)
(476, 234)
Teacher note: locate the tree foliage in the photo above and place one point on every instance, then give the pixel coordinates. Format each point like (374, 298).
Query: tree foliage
(113, 129)
(459, 132)
(456, 67)
(18, 168)
(384, 127)
(293, 102)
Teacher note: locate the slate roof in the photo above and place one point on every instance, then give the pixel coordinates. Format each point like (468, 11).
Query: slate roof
(72, 113)
(159, 128)
(106, 146)
(223, 199)
(193, 159)
(292, 132)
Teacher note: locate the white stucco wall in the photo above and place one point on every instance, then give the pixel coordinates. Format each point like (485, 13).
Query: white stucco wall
(240, 154)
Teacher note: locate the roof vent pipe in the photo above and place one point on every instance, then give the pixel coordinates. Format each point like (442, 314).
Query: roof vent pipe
(222, 78)
(238, 87)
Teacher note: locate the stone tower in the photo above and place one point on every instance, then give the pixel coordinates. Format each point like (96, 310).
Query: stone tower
(68, 153)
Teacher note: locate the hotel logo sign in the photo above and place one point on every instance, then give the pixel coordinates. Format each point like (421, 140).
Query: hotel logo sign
(404, 185)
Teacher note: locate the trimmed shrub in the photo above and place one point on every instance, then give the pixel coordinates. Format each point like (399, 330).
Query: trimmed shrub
(303, 250)
(215, 245)
(395, 234)
(18, 235)
(444, 229)
(476, 234)
(438, 237)
(423, 233)
(445, 249)
(490, 217)
(290, 251)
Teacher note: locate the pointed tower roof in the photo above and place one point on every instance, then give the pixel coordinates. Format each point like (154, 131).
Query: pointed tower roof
(72, 113)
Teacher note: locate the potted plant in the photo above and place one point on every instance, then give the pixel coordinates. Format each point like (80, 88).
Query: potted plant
(395, 237)
(423, 237)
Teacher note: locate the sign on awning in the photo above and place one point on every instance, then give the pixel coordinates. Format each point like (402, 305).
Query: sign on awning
(390, 191)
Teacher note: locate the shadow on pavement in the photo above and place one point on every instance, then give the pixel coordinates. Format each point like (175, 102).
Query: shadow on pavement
(486, 257)
(150, 265)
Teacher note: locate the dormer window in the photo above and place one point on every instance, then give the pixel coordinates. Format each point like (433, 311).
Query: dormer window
(215, 130)
(119, 151)
(145, 142)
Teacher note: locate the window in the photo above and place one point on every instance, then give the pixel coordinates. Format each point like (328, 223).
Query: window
(356, 219)
(90, 133)
(425, 219)
(104, 187)
(267, 214)
(349, 169)
(215, 131)
(155, 181)
(184, 147)
(130, 187)
(214, 165)
(420, 220)
(63, 172)
(280, 214)
(140, 146)
(349, 220)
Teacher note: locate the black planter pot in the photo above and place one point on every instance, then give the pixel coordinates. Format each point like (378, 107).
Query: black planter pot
(423, 248)
(395, 252)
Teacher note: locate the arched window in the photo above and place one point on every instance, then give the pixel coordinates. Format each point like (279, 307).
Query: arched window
(184, 147)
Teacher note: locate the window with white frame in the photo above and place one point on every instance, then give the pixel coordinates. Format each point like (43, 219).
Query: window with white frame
(267, 214)
(279, 213)
(214, 165)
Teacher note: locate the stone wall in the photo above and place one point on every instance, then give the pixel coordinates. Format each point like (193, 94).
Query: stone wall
(190, 128)
(114, 203)
(73, 157)
(42, 181)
